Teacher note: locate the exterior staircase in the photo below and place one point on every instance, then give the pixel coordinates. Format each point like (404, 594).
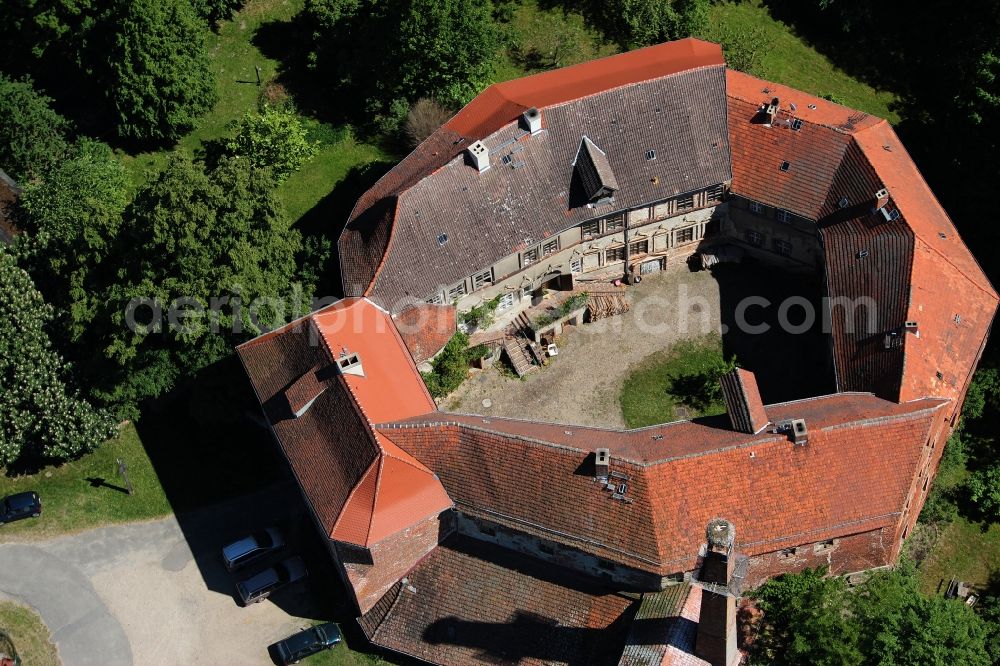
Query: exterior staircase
(517, 351)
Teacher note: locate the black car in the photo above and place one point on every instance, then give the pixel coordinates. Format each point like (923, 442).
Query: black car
(258, 587)
(252, 547)
(305, 643)
(20, 505)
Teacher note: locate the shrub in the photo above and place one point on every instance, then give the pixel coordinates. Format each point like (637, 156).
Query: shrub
(31, 133)
(424, 118)
(274, 139)
(450, 367)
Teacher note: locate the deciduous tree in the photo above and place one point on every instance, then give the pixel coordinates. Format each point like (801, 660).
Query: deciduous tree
(41, 413)
(273, 139)
(32, 135)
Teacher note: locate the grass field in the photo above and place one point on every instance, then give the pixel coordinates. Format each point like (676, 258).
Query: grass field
(87, 492)
(964, 550)
(659, 389)
(31, 637)
(234, 55)
(788, 59)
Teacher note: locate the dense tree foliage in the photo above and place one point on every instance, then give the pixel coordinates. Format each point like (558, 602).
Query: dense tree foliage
(159, 79)
(196, 237)
(214, 11)
(643, 22)
(31, 133)
(72, 218)
(443, 49)
(810, 618)
(274, 139)
(41, 414)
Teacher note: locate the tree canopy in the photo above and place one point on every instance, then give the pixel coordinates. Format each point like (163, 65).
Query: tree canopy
(197, 239)
(32, 135)
(41, 413)
(815, 619)
(159, 79)
(273, 139)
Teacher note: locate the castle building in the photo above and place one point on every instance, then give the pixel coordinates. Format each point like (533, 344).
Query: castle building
(467, 538)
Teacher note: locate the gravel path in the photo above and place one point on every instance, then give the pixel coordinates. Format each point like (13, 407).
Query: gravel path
(582, 383)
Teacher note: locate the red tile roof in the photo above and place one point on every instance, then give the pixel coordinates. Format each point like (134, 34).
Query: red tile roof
(534, 477)
(426, 328)
(361, 486)
(468, 603)
(743, 402)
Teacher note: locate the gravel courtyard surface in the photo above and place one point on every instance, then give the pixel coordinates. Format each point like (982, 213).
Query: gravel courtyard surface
(156, 592)
(582, 383)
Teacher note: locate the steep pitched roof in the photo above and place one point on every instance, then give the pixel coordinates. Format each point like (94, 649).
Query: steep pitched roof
(534, 477)
(426, 328)
(668, 98)
(468, 602)
(911, 268)
(360, 485)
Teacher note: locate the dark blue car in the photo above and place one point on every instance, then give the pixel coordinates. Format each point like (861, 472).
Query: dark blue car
(20, 505)
(305, 643)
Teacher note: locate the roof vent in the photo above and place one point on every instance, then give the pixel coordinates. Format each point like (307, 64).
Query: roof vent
(442, 239)
(602, 463)
(533, 120)
(480, 156)
(785, 166)
(650, 155)
(797, 124)
(862, 254)
(800, 434)
(881, 198)
(350, 364)
(844, 202)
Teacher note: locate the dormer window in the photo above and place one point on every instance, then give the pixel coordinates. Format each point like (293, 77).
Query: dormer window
(350, 364)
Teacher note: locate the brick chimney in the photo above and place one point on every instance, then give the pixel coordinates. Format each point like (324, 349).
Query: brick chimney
(743, 403)
(716, 640)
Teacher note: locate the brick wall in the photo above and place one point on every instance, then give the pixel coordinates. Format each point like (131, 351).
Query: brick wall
(843, 555)
(372, 572)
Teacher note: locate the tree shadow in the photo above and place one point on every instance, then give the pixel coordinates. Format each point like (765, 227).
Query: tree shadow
(98, 482)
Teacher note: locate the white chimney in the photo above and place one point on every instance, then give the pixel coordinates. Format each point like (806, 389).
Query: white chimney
(533, 119)
(480, 155)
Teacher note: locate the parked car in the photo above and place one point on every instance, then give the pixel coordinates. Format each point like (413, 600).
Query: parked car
(261, 585)
(306, 643)
(20, 505)
(251, 547)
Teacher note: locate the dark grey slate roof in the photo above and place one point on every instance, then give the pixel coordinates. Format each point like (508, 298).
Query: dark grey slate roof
(526, 194)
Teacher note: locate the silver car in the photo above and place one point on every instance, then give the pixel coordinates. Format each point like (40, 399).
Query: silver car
(258, 587)
(243, 551)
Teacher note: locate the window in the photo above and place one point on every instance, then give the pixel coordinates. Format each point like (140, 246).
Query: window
(686, 202)
(547, 549)
(436, 299)
(576, 266)
(550, 247)
(797, 124)
(685, 235)
(784, 216)
(506, 302)
(782, 247)
(615, 254)
(650, 155)
(482, 280)
(590, 229)
(713, 194)
(529, 256)
(457, 291)
(614, 223)
(785, 166)
(824, 546)
(753, 237)
(756, 208)
(789, 552)
(526, 292)
(639, 247)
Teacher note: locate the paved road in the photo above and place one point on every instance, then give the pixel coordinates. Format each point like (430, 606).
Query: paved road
(151, 593)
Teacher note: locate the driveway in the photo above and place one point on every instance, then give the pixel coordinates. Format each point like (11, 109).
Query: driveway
(153, 593)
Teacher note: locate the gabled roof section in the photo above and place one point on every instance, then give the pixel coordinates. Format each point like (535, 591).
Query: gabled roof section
(743, 403)
(668, 98)
(426, 328)
(361, 486)
(592, 167)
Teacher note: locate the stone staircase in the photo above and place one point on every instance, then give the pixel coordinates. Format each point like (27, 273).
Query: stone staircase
(517, 351)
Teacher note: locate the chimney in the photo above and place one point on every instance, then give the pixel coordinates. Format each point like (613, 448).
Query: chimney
(771, 111)
(743, 403)
(480, 156)
(350, 364)
(800, 434)
(602, 463)
(881, 198)
(716, 639)
(533, 120)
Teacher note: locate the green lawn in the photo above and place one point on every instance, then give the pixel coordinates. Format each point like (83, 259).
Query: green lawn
(234, 57)
(670, 385)
(964, 550)
(76, 496)
(788, 59)
(30, 635)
